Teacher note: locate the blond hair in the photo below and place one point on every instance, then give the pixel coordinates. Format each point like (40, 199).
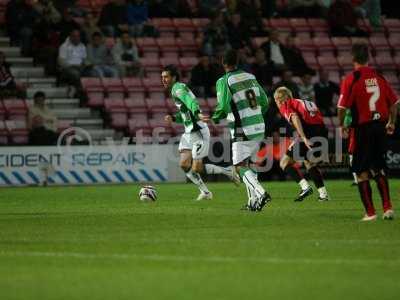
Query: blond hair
(284, 91)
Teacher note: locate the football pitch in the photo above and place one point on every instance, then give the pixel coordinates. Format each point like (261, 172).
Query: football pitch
(101, 242)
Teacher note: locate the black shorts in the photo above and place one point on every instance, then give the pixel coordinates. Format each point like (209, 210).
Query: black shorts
(299, 151)
(370, 146)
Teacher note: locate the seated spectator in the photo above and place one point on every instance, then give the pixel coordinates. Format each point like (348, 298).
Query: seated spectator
(244, 59)
(216, 39)
(306, 8)
(7, 84)
(113, 18)
(72, 57)
(126, 57)
(251, 14)
(172, 8)
(20, 20)
(287, 81)
(89, 27)
(47, 12)
(325, 91)
(342, 19)
(67, 25)
(294, 59)
(209, 7)
(72, 5)
(42, 122)
(306, 88)
(100, 59)
(137, 16)
(262, 70)
(237, 34)
(274, 54)
(203, 77)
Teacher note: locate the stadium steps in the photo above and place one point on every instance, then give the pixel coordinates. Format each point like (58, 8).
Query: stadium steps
(20, 61)
(11, 51)
(4, 42)
(50, 92)
(99, 135)
(27, 72)
(62, 103)
(89, 123)
(73, 113)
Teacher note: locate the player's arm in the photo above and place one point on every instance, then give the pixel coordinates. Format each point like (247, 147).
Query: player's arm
(393, 109)
(295, 120)
(188, 98)
(345, 100)
(263, 101)
(223, 98)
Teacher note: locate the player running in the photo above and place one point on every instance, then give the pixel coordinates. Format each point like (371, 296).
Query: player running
(242, 101)
(307, 120)
(373, 105)
(195, 142)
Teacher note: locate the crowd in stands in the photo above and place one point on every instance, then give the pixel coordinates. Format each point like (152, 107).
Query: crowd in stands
(70, 41)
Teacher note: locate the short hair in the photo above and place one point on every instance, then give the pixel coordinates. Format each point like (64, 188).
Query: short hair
(285, 91)
(173, 71)
(230, 58)
(360, 53)
(39, 94)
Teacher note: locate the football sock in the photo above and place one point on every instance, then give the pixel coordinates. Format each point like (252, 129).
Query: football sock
(213, 169)
(294, 172)
(366, 197)
(316, 176)
(383, 187)
(250, 195)
(355, 177)
(196, 179)
(250, 179)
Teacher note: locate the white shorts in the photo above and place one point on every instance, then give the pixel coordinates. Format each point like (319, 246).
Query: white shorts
(198, 142)
(244, 150)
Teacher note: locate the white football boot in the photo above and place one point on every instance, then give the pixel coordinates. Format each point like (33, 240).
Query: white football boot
(204, 196)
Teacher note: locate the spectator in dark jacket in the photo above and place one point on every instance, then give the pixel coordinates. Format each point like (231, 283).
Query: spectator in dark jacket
(294, 59)
(262, 70)
(216, 39)
(113, 18)
(325, 91)
(274, 53)
(342, 20)
(7, 83)
(203, 77)
(238, 36)
(137, 16)
(67, 25)
(287, 81)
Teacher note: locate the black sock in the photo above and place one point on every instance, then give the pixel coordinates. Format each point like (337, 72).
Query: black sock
(316, 176)
(294, 173)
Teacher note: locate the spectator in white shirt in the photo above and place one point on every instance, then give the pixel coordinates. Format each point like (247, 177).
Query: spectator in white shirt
(306, 88)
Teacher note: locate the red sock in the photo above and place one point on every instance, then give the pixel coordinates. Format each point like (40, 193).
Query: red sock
(366, 197)
(383, 187)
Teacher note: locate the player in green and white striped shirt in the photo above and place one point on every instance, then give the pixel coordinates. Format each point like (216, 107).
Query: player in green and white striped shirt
(195, 142)
(243, 102)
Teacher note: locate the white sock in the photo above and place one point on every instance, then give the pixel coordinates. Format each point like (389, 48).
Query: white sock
(251, 181)
(213, 169)
(355, 177)
(323, 192)
(304, 184)
(250, 195)
(196, 179)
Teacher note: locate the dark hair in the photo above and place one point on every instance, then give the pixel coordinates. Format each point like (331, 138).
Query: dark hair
(97, 34)
(230, 58)
(173, 71)
(360, 53)
(39, 94)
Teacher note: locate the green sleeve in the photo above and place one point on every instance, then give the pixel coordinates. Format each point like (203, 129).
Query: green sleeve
(223, 98)
(184, 94)
(178, 118)
(347, 118)
(263, 101)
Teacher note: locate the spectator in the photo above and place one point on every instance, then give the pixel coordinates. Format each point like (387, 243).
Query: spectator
(306, 88)
(372, 10)
(113, 18)
(7, 84)
(100, 59)
(244, 59)
(251, 14)
(294, 59)
(67, 25)
(237, 34)
(42, 122)
(261, 69)
(48, 13)
(216, 38)
(209, 7)
(137, 16)
(20, 20)
(203, 77)
(274, 53)
(72, 59)
(287, 81)
(325, 91)
(89, 27)
(172, 8)
(342, 20)
(306, 8)
(126, 57)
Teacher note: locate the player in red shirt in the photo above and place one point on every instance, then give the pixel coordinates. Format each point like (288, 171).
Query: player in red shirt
(306, 118)
(373, 105)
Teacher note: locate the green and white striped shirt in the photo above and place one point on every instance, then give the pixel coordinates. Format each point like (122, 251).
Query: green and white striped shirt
(242, 101)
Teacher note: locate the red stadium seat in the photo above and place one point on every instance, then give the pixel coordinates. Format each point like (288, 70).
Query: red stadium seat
(165, 61)
(151, 64)
(147, 44)
(164, 25)
(391, 25)
(2, 111)
(153, 84)
(95, 99)
(63, 125)
(115, 105)
(184, 25)
(311, 61)
(379, 44)
(299, 25)
(281, 24)
(187, 44)
(385, 62)
(138, 124)
(18, 131)
(133, 84)
(323, 45)
(135, 105)
(328, 62)
(90, 84)
(200, 23)
(187, 63)
(342, 44)
(318, 25)
(119, 120)
(305, 44)
(4, 133)
(15, 107)
(345, 63)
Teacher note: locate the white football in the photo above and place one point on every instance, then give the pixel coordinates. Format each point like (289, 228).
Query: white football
(148, 193)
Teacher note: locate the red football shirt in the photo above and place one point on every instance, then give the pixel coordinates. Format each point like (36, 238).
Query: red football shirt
(306, 110)
(368, 95)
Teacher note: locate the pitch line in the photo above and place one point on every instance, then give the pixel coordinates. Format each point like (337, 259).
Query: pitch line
(211, 259)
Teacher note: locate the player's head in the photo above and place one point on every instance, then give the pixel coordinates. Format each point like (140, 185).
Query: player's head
(230, 60)
(39, 98)
(282, 94)
(360, 53)
(169, 76)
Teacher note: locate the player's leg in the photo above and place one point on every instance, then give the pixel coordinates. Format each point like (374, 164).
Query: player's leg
(241, 155)
(364, 188)
(186, 160)
(317, 178)
(287, 164)
(383, 187)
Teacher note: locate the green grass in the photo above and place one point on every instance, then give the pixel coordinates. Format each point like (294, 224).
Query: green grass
(101, 242)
